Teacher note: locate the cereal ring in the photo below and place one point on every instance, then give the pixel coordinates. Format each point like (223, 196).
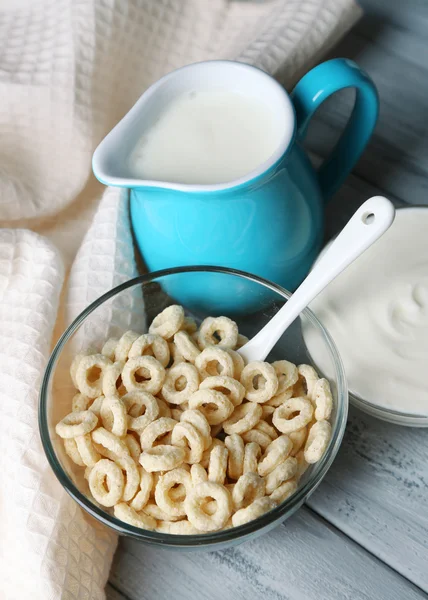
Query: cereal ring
(302, 465)
(168, 322)
(275, 453)
(287, 374)
(190, 375)
(143, 409)
(214, 361)
(298, 438)
(112, 379)
(151, 345)
(284, 471)
(260, 381)
(248, 488)
(254, 435)
(235, 444)
(166, 482)
(133, 446)
(216, 429)
(109, 444)
(75, 363)
(252, 452)
(106, 482)
(228, 386)
(307, 379)
(146, 485)
(183, 527)
(176, 413)
(162, 458)
(238, 363)
(218, 330)
(70, 447)
(198, 496)
(186, 346)
(90, 373)
(284, 491)
(302, 406)
(155, 430)
(150, 379)
(132, 476)
(80, 402)
(113, 416)
(243, 418)
(258, 508)
(124, 345)
(323, 400)
(186, 431)
(157, 513)
(87, 450)
(318, 438)
(189, 325)
(204, 462)
(204, 400)
(175, 356)
(127, 514)
(198, 474)
(218, 464)
(109, 348)
(76, 423)
(96, 406)
(266, 428)
(242, 340)
(199, 421)
(279, 399)
(267, 412)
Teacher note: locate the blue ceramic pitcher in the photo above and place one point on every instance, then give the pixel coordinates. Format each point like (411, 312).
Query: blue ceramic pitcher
(269, 222)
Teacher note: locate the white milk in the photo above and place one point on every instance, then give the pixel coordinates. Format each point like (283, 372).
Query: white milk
(206, 138)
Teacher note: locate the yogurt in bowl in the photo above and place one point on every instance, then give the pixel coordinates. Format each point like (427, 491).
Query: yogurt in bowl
(377, 314)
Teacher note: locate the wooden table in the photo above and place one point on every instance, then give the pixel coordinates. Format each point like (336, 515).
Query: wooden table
(364, 533)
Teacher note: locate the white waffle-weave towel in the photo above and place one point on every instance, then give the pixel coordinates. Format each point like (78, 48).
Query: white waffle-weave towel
(69, 70)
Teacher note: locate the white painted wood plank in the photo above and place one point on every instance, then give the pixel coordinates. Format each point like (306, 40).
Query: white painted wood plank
(411, 15)
(305, 559)
(377, 493)
(114, 594)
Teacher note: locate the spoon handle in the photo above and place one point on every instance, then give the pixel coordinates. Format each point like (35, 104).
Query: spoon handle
(367, 225)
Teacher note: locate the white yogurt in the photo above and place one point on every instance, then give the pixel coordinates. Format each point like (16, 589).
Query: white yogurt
(206, 138)
(377, 313)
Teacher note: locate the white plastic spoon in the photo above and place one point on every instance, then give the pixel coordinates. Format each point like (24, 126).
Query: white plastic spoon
(367, 225)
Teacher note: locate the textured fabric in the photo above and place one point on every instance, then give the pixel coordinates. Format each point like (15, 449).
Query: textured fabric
(69, 70)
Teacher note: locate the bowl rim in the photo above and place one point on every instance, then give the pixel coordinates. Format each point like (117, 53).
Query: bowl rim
(204, 539)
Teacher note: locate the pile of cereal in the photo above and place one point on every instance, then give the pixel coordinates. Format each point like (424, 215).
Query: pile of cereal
(178, 435)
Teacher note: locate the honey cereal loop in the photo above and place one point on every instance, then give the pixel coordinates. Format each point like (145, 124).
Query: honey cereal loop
(298, 439)
(167, 481)
(252, 453)
(168, 322)
(242, 340)
(127, 514)
(96, 405)
(198, 474)
(151, 345)
(113, 416)
(124, 345)
(146, 485)
(218, 464)
(199, 421)
(80, 402)
(143, 409)
(112, 379)
(215, 406)
(218, 331)
(164, 410)
(157, 513)
(275, 453)
(75, 363)
(109, 348)
(189, 325)
(248, 488)
(287, 374)
(162, 458)
(281, 417)
(155, 430)
(131, 476)
(188, 376)
(89, 374)
(199, 495)
(175, 355)
(183, 527)
(260, 381)
(323, 400)
(186, 346)
(185, 434)
(72, 451)
(243, 418)
(317, 442)
(106, 482)
(284, 491)
(235, 445)
(266, 428)
(254, 435)
(214, 361)
(253, 511)
(108, 444)
(151, 381)
(76, 423)
(133, 446)
(87, 450)
(228, 386)
(238, 363)
(284, 471)
(307, 378)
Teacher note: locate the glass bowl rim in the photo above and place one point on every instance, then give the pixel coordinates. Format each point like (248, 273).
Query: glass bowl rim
(204, 539)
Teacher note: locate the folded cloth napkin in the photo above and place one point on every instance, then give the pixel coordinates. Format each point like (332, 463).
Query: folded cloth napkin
(69, 70)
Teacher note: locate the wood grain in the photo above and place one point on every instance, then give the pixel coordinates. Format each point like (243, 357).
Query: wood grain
(305, 559)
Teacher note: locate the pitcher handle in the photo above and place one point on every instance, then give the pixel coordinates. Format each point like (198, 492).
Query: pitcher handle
(311, 91)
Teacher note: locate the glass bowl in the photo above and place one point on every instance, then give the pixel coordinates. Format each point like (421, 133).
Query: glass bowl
(133, 305)
(378, 410)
